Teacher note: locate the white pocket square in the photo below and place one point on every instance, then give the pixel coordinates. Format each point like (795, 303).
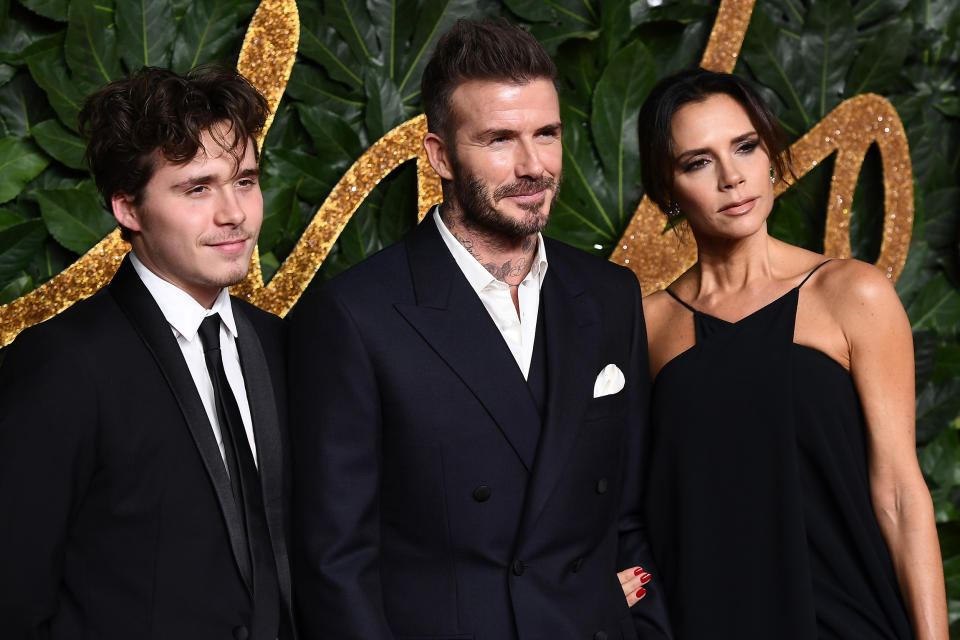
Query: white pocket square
(609, 381)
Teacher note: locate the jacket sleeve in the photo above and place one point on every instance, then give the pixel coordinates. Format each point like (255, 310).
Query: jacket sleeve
(649, 614)
(48, 425)
(335, 433)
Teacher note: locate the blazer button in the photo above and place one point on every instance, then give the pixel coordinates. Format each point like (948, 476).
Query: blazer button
(577, 565)
(602, 486)
(241, 633)
(600, 635)
(518, 567)
(482, 493)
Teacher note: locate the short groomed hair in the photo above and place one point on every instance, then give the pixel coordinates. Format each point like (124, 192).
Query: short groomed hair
(474, 50)
(128, 122)
(657, 154)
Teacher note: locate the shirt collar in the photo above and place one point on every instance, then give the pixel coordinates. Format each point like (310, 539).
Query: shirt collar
(478, 277)
(179, 308)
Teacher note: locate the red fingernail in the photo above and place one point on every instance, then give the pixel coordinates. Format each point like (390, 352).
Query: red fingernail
(638, 571)
(641, 592)
(645, 578)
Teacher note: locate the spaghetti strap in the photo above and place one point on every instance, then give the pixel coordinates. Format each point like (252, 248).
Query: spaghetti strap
(813, 272)
(674, 296)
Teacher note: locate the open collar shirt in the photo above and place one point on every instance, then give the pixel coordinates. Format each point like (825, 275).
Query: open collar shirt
(519, 332)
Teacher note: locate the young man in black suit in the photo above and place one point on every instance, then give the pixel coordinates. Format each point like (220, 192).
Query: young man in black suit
(468, 406)
(142, 457)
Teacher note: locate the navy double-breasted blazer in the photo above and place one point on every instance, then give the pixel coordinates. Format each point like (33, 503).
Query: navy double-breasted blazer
(431, 500)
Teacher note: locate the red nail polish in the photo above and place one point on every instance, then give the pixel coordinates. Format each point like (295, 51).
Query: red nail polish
(645, 578)
(638, 571)
(641, 592)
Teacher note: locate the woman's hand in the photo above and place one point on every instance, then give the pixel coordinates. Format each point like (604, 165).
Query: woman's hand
(632, 581)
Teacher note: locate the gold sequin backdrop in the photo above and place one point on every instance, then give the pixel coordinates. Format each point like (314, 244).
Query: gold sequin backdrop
(266, 59)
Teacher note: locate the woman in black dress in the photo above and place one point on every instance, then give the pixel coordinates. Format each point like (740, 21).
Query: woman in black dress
(784, 498)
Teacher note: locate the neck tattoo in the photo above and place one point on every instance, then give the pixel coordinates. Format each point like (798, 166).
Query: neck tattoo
(512, 270)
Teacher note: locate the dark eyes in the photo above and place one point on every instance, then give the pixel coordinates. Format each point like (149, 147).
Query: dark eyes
(548, 134)
(743, 148)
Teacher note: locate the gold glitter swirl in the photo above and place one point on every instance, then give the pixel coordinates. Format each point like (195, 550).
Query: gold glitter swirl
(659, 258)
(80, 280)
(269, 50)
(726, 38)
(396, 147)
(849, 130)
(267, 56)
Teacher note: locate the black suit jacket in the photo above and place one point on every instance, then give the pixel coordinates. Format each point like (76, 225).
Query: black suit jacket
(116, 515)
(430, 501)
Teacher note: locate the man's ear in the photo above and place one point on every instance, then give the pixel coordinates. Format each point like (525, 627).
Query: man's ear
(438, 155)
(126, 213)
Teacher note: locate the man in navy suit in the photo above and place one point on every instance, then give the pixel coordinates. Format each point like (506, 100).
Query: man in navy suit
(468, 406)
(142, 473)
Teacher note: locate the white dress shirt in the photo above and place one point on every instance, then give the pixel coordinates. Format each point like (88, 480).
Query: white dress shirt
(185, 315)
(518, 332)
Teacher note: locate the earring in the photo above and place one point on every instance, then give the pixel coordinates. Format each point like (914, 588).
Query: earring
(773, 178)
(674, 211)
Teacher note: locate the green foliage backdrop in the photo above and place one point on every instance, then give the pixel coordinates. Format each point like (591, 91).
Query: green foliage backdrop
(357, 75)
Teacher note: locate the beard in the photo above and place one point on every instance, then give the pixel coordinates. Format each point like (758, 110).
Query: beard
(479, 207)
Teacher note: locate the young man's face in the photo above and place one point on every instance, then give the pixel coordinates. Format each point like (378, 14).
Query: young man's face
(197, 223)
(504, 159)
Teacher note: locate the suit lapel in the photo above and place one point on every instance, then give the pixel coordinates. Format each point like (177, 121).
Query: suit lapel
(572, 329)
(148, 321)
(452, 320)
(266, 429)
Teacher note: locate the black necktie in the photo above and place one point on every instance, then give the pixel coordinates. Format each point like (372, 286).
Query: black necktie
(236, 448)
(245, 483)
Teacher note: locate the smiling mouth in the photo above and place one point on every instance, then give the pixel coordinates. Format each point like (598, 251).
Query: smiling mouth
(738, 208)
(533, 196)
(230, 246)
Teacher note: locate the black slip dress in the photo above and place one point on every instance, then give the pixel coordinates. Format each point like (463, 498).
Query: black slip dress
(757, 501)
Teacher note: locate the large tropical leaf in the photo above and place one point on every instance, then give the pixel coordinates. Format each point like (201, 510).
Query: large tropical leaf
(53, 9)
(18, 244)
(334, 139)
(773, 57)
(48, 69)
(59, 143)
(881, 61)
(433, 19)
(91, 45)
(394, 21)
(208, 30)
(828, 44)
(145, 32)
(22, 104)
(321, 43)
(384, 105)
(75, 217)
(580, 216)
(20, 162)
(352, 22)
(616, 101)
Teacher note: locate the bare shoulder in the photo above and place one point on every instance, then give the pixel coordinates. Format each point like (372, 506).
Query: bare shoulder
(860, 299)
(655, 306)
(852, 287)
(669, 329)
